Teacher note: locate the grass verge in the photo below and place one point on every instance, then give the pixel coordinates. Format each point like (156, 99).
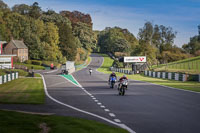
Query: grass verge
(84, 64)
(22, 91)
(15, 122)
(189, 85)
(106, 64)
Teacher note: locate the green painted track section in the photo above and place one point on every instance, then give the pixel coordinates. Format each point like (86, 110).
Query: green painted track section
(69, 77)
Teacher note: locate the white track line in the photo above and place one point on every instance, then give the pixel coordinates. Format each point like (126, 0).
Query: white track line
(117, 120)
(74, 108)
(112, 115)
(107, 110)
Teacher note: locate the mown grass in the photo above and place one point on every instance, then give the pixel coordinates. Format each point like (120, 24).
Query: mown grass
(189, 85)
(23, 91)
(84, 64)
(106, 64)
(15, 122)
(21, 72)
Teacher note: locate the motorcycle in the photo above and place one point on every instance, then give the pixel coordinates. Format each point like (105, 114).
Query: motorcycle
(90, 71)
(112, 81)
(123, 86)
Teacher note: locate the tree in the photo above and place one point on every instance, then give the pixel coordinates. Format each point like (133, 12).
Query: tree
(194, 45)
(85, 35)
(155, 38)
(67, 44)
(3, 6)
(22, 9)
(116, 40)
(51, 39)
(35, 10)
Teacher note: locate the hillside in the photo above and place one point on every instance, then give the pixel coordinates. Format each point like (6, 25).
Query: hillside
(190, 65)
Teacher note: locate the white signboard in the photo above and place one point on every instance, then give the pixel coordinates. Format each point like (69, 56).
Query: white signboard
(135, 59)
(69, 64)
(7, 59)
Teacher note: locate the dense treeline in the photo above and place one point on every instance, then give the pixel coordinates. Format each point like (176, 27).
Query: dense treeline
(48, 35)
(157, 43)
(69, 36)
(154, 41)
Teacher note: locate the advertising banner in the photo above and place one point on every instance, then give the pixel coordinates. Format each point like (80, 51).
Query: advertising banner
(141, 59)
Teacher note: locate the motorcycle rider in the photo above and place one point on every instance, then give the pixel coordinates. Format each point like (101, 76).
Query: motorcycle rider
(121, 79)
(112, 75)
(90, 71)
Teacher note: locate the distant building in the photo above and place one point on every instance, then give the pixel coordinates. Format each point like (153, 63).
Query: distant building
(16, 47)
(6, 61)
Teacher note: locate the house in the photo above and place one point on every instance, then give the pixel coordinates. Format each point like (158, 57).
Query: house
(18, 48)
(6, 61)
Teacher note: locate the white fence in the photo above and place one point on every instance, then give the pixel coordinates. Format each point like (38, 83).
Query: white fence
(8, 77)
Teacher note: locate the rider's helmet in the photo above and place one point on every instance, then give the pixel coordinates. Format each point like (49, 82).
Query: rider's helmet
(124, 76)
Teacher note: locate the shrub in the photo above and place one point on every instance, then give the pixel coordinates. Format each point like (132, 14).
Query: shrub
(36, 62)
(28, 61)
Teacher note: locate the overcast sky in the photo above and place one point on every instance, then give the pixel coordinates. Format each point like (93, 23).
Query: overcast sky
(182, 15)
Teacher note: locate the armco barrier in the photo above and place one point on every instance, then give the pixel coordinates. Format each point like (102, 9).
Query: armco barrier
(121, 70)
(163, 75)
(176, 77)
(8, 77)
(158, 74)
(173, 76)
(169, 75)
(149, 73)
(145, 72)
(154, 74)
(199, 77)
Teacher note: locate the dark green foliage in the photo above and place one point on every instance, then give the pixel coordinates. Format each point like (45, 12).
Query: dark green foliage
(22, 9)
(35, 10)
(28, 61)
(85, 34)
(67, 43)
(36, 62)
(116, 40)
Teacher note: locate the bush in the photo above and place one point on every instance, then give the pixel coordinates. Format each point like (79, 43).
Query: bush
(36, 62)
(28, 61)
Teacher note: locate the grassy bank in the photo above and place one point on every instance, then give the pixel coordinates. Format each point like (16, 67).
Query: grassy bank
(190, 66)
(21, 72)
(106, 64)
(15, 122)
(81, 65)
(23, 90)
(189, 85)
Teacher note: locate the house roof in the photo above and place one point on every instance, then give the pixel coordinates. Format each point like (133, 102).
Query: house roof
(18, 44)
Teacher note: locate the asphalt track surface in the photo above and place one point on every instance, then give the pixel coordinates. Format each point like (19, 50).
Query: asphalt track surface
(145, 108)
